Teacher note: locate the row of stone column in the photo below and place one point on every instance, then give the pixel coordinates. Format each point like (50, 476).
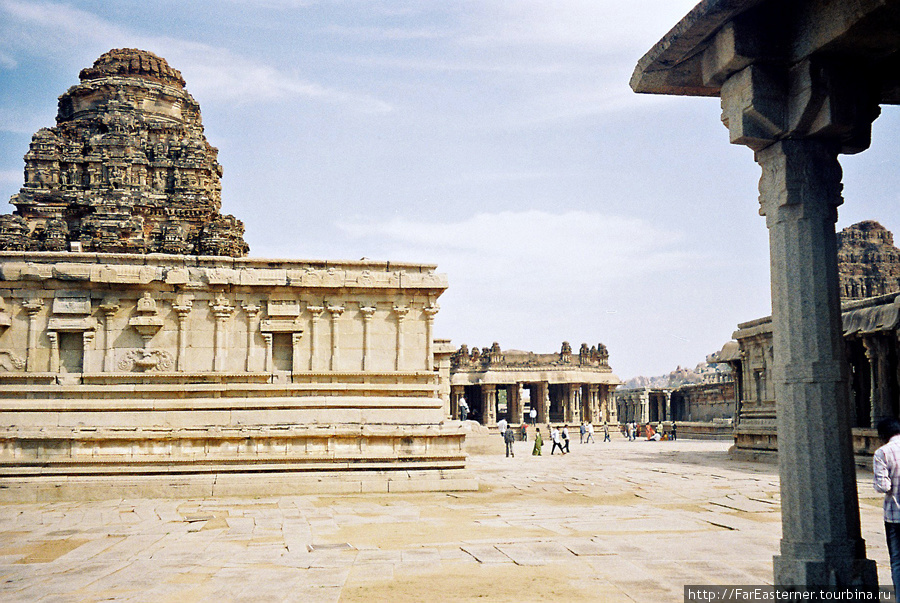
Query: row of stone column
(581, 402)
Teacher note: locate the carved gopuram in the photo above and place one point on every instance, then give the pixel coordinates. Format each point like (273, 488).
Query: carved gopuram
(177, 367)
(562, 388)
(799, 83)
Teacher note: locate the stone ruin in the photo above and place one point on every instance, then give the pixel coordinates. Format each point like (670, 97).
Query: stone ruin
(126, 169)
(138, 359)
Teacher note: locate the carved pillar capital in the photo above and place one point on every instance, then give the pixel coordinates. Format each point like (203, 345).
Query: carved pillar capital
(315, 312)
(401, 312)
(32, 306)
(367, 312)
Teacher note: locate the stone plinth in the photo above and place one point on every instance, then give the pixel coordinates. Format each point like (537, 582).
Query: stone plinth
(119, 366)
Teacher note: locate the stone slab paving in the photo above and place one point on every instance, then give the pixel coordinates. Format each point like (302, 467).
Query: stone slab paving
(621, 521)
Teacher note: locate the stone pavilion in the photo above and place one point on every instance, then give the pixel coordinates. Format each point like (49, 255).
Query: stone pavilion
(562, 388)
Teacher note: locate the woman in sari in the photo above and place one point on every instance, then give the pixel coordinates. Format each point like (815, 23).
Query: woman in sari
(538, 442)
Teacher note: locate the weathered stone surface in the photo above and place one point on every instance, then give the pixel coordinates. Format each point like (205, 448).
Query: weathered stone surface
(868, 262)
(126, 169)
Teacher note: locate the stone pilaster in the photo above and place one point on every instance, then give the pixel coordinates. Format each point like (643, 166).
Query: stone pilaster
(182, 307)
(252, 312)
(296, 352)
(315, 313)
(400, 312)
(108, 308)
(877, 353)
(430, 312)
(222, 311)
(335, 312)
(367, 313)
(32, 307)
(53, 337)
(87, 341)
(269, 362)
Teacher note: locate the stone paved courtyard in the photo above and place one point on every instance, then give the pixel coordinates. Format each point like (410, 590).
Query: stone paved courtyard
(622, 521)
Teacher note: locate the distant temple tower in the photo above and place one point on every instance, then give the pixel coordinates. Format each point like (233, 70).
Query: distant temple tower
(127, 169)
(868, 262)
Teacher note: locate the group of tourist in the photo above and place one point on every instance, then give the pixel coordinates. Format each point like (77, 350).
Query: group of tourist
(632, 431)
(558, 436)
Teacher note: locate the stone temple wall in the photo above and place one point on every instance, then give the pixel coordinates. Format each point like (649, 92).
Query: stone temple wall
(238, 376)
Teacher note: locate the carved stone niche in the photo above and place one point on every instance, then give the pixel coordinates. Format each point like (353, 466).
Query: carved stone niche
(71, 313)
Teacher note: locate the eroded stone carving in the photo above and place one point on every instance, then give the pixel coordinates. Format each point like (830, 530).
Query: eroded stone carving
(126, 169)
(146, 360)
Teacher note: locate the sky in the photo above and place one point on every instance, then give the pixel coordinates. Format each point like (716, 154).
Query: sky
(496, 139)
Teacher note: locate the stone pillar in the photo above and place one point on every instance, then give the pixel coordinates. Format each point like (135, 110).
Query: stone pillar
(667, 411)
(596, 409)
(489, 404)
(252, 312)
(32, 307)
(821, 543)
(543, 401)
(53, 337)
(222, 311)
(519, 416)
(877, 354)
(367, 313)
(430, 312)
(315, 314)
(108, 308)
(456, 392)
(400, 312)
(335, 312)
(182, 309)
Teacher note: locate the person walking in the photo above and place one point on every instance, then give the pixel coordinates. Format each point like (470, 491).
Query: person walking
(674, 432)
(606, 432)
(501, 425)
(538, 442)
(564, 434)
(554, 437)
(463, 409)
(582, 431)
(630, 429)
(590, 433)
(509, 437)
(886, 467)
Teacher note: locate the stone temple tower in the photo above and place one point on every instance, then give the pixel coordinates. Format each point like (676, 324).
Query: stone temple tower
(127, 169)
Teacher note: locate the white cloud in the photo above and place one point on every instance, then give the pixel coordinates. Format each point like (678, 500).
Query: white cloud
(215, 74)
(505, 248)
(11, 176)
